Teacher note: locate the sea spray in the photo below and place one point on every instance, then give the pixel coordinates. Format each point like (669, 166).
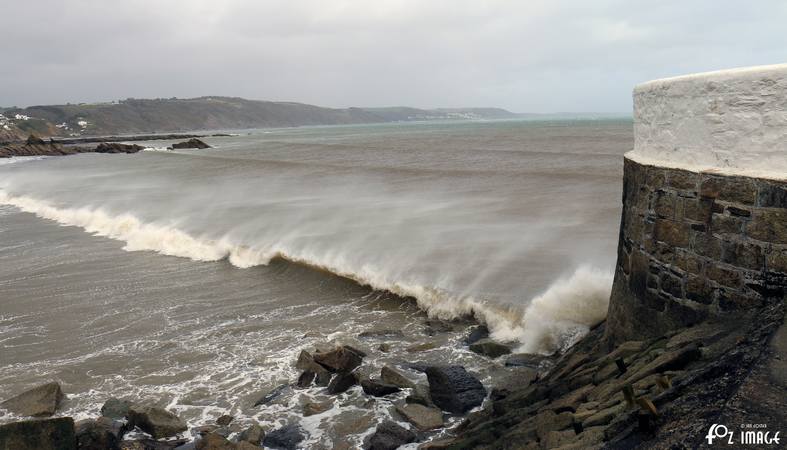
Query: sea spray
(551, 322)
(565, 312)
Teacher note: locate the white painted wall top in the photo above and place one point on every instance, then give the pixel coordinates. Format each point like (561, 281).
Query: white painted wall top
(732, 122)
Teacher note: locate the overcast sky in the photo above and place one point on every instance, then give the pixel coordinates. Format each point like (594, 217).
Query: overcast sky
(524, 55)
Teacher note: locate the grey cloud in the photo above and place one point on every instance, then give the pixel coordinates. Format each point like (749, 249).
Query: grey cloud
(521, 55)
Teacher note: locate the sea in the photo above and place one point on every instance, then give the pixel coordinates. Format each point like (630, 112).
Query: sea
(192, 279)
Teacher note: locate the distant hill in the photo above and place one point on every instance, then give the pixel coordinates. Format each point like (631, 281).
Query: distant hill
(133, 116)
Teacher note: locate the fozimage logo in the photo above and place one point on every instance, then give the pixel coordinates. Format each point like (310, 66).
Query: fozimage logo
(751, 433)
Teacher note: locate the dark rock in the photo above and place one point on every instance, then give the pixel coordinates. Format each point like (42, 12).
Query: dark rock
(152, 444)
(385, 348)
(378, 388)
(340, 359)
(203, 430)
(381, 333)
(41, 401)
(453, 389)
(96, 435)
(287, 437)
(341, 382)
(48, 434)
(527, 360)
(272, 395)
(418, 366)
(115, 408)
(490, 348)
(420, 395)
(389, 436)
(34, 140)
(213, 441)
(115, 147)
(423, 417)
(391, 376)
(435, 326)
(157, 422)
(191, 143)
(476, 334)
(225, 420)
(305, 379)
(253, 434)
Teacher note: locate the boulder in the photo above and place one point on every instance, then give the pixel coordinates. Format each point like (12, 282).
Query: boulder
(476, 334)
(527, 360)
(96, 435)
(435, 326)
(341, 382)
(385, 348)
(48, 434)
(423, 417)
(253, 434)
(392, 376)
(420, 395)
(152, 444)
(34, 139)
(41, 401)
(115, 408)
(453, 389)
(191, 143)
(389, 436)
(116, 147)
(224, 420)
(313, 408)
(272, 395)
(287, 437)
(381, 333)
(213, 441)
(245, 446)
(157, 422)
(340, 359)
(415, 348)
(378, 388)
(490, 348)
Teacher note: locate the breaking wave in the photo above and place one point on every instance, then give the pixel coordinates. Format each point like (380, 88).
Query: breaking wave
(550, 322)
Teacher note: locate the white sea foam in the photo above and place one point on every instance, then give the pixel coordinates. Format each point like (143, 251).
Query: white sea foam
(552, 320)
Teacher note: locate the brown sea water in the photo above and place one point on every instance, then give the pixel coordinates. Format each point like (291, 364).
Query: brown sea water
(193, 278)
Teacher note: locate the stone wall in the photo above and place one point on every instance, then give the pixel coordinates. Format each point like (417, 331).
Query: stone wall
(693, 246)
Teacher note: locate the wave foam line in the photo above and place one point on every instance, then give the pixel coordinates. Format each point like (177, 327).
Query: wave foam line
(552, 321)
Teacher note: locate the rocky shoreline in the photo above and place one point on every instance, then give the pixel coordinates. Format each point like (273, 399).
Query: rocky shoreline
(35, 146)
(655, 393)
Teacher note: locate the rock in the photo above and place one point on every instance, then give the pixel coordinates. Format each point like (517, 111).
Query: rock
(435, 326)
(224, 420)
(213, 441)
(96, 435)
(418, 366)
(115, 147)
(381, 333)
(152, 444)
(438, 444)
(385, 348)
(340, 359)
(313, 408)
(526, 360)
(34, 139)
(305, 360)
(453, 389)
(287, 437)
(48, 434)
(253, 434)
(476, 334)
(378, 388)
(157, 422)
(115, 408)
(604, 416)
(272, 395)
(341, 382)
(421, 347)
(490, 348)
(41, 401)
(191, 143)
(391, 376)
(203, 430)
(246, 446)
(389, 436)
(305, 379)
(423, 417)
(356, 350)
(670, 360)
(420, 395)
